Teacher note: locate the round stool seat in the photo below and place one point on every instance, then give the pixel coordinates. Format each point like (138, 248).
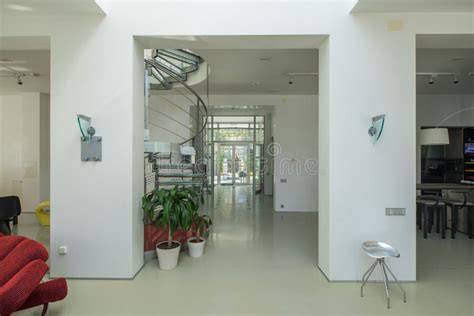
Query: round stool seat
(378, 250)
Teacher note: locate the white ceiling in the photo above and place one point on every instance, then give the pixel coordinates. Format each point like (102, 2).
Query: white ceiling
(241, 71)
(15, 62)
(233, 42)
(445, 41)
(36, 61)
(366, 6)
(49, 7)
(445, 60)
(24, 42)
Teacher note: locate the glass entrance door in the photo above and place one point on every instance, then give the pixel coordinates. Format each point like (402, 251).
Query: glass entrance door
(225, 164)
(234, 164)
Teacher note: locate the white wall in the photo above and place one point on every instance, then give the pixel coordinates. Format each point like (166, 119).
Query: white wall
(24, 148)
(45, 146)
(169, 118)
(324, 160)
(370, 71)
(295, 130)
(8, 85)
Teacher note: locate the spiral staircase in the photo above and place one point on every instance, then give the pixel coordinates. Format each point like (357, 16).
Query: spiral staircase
(176, 163)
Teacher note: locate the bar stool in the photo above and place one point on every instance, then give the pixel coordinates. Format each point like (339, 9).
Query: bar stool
(380, 251)
(455, 206)
(426, 208)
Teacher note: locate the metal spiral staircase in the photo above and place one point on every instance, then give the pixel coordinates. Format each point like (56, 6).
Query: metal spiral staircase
(168, 165)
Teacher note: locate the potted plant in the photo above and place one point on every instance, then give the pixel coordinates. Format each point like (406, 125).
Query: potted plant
(170, 209)
(197, 243)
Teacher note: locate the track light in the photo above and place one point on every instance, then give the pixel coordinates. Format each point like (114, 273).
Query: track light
(432, 75)
(19, 81)
(455, 79)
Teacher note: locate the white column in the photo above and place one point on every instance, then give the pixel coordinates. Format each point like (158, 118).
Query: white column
(96, 205)
(362, 76)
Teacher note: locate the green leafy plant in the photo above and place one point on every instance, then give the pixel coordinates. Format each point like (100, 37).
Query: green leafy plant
(201, 225)
(172, 208)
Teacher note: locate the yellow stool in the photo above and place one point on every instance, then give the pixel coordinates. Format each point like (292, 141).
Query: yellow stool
(42, 213)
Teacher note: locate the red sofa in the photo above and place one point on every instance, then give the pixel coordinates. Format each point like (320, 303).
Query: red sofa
(22, 268)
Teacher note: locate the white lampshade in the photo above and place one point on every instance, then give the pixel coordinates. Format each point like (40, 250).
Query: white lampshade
(434, 136)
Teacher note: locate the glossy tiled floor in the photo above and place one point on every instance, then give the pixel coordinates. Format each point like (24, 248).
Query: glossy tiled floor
(259, 262)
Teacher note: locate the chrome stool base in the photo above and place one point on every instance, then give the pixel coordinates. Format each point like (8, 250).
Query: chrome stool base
(385, 268)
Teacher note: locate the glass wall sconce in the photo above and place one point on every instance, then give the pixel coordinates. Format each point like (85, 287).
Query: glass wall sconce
(375, 131)
(91, 145)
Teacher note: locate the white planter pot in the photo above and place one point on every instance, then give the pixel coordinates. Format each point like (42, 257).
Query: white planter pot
(168, 258)
(196, 249)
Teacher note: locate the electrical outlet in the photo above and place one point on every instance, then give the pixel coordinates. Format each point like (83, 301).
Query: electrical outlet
(283, 180)
(62, 250)
(394, 211)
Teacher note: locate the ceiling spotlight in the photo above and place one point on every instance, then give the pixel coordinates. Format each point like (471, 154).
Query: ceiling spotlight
(291, 80)
(5, 61)
(431, 81)
(18, 7)
(19, 81)
(455, 79)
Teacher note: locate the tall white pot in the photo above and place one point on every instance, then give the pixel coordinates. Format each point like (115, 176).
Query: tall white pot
(168, 258)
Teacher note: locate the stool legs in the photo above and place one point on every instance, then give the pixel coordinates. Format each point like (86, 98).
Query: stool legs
(444, 219)
(386, 280)
(425, 221)
(366, 277)
(454, 221)
(396, 281)
(470, 221)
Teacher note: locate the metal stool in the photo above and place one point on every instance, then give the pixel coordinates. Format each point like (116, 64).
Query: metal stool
(380, 251)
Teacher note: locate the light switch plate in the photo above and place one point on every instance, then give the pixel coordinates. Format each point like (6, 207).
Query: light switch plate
(395, 211)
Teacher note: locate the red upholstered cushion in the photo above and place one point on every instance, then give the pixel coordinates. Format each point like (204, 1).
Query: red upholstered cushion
(47, 292)
(22, 267)
(26, 251)
(7, 243)
(17, 290)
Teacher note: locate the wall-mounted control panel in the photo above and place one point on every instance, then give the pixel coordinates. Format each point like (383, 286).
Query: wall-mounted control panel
(395, 211)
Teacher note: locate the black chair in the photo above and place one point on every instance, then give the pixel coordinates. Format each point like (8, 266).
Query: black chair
(10, 209)
(426, 209)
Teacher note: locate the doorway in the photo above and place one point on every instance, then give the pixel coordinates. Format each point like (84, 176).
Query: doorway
(234, 163)
(237, 146)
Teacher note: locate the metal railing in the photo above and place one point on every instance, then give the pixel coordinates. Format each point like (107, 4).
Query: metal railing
(198, 130)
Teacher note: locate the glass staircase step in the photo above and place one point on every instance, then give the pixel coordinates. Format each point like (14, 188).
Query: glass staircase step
(180, 182)
(176, 166)
(180, 62)
(182, 175)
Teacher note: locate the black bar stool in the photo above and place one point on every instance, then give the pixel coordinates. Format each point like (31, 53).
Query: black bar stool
(426, 210)
(455, 206)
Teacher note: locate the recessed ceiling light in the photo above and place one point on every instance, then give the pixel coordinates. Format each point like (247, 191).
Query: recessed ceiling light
(265, 58)
(19, 7)
(457, 58)
(18, 68)
(256, 83)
